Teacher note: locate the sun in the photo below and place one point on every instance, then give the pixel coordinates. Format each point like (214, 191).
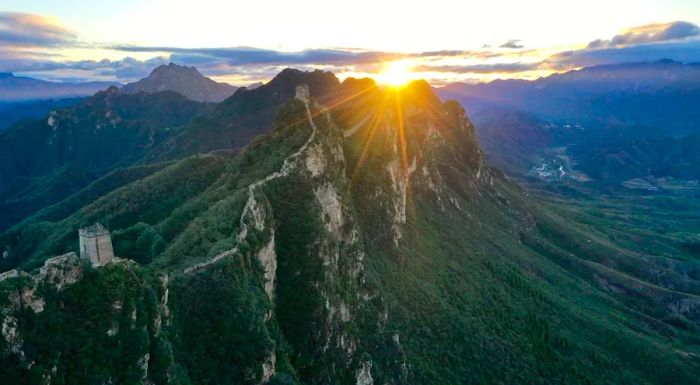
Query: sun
(396, 74)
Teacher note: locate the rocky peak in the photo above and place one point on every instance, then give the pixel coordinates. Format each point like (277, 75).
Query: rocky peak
(187, 81)
(112, 90)
(321, 84)
(173, 69)
(354, 85)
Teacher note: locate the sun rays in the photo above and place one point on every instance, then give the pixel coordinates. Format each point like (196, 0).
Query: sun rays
(390, 140)
(383, 133)
(396, 74)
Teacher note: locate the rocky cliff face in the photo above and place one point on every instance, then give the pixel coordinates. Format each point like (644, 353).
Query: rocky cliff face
(363, 241)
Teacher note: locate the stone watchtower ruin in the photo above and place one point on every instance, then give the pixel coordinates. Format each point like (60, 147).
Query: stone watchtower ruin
(95, 245)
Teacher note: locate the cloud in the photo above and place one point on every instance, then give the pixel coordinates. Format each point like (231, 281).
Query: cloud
(256, 63)
(32, 42)
(33, 45)
(129, 68)
(258, 56)
(489, 68)
(512, 44)
(652, 33)
(126, 69)
(28, 30)
(679, 41)
(682, 51)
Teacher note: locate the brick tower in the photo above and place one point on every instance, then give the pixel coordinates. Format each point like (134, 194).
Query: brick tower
(95, 245)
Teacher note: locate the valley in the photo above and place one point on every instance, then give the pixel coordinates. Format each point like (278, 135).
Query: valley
(629, 125)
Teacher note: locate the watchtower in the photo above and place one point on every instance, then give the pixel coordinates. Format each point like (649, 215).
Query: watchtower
(95, 245)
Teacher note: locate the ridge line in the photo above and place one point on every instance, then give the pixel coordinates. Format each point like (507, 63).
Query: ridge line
(250, 202)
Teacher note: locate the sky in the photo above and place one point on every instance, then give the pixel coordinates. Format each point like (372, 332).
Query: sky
(243, 42)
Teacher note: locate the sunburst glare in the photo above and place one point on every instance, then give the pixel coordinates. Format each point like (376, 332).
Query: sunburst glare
(396, 74)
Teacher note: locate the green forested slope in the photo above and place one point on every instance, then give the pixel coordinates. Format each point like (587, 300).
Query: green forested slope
(368, 243)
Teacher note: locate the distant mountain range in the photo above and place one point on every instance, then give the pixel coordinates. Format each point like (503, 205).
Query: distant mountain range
(187, 81)
(28, 98)
(20, 88)
(573, 118)
(662, 92)
(184, 80)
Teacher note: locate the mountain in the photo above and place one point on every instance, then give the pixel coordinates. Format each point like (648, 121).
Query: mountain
(43, 161)
(20, 88)
(245, 115)
(364, 239)
(580, 112)
(641, 93)
(184, 80)
(148, 128)
(13, 112)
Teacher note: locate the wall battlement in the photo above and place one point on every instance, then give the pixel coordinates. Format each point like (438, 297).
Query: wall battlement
(95, 245)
